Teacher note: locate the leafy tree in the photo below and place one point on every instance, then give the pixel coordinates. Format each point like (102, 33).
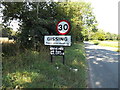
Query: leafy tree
(1, 30)
(108, 36)
(39, 18)
(36, 18)
(99, 35)
(5, 31)
(114, 36)
(118, 38)
(90, 23)
(83, 21)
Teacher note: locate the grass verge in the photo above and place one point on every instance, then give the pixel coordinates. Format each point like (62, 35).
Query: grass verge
(95, 42)
(114, 44)
(109, 44)
(32, 69)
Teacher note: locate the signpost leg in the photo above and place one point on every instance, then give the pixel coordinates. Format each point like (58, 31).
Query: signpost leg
(51, 59)
(63, 59)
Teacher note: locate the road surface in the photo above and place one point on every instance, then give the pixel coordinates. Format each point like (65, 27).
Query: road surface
(103, 66)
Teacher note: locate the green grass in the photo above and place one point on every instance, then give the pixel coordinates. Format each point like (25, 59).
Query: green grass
(95, 42)
(109, 44)
(113, 44)
(32, 69)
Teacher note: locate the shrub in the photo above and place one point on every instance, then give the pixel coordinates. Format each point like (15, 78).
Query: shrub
(118, 50)
(96, 42)
(9, 49)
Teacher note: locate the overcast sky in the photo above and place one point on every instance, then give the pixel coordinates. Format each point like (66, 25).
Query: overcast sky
(106, 12)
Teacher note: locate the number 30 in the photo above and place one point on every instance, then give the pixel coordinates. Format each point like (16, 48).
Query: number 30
(65, 27)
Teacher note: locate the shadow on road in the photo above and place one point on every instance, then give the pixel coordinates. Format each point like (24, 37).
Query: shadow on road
(103, 66)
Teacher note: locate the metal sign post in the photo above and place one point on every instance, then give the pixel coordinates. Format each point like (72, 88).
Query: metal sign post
(57, 51)
(58, 41)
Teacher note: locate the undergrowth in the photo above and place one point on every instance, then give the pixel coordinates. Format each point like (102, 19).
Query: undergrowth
(33, 69)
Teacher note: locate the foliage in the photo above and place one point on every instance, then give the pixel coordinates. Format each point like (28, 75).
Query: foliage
(9, 49)
(110, 36)
(96, 42)
(118, 38)
(1, 30)
(31, 69)
(99, 35)
(118, 50)
(39, 18)
(5, 31)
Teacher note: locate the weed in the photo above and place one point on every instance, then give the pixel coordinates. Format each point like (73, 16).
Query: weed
(33, 69)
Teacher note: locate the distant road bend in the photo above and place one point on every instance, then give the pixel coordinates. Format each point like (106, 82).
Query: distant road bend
(103, 66)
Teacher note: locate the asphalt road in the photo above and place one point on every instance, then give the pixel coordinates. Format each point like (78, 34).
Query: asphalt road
(103, 66)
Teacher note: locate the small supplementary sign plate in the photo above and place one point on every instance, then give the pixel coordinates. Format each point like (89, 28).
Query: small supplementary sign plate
(56, 50)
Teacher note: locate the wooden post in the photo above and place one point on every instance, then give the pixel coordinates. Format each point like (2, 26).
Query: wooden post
(63, 59)
(51, 59)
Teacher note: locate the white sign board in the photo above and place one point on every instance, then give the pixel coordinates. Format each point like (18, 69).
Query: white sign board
(56, 50)
(58, 40)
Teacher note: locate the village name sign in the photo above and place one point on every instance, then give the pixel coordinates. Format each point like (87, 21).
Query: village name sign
(56, 42)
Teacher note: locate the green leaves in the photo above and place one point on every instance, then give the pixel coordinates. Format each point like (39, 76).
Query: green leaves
(40, 18)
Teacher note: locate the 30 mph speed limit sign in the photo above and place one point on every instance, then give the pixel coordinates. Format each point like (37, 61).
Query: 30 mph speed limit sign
(63, 27)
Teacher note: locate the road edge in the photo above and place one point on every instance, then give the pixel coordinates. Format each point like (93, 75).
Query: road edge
(88, 70)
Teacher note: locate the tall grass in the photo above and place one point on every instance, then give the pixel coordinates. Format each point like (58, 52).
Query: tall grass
(10, 49)
(33, 69)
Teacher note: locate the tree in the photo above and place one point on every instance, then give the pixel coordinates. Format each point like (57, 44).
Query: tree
(83, 21)
(108, 36)
(40, 18)
(118, 38)
(99, 35)
(36, 18)
(5, 31)
(114, 36)
(1, 30)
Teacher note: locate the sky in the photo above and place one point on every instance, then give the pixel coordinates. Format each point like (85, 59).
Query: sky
(106, 12)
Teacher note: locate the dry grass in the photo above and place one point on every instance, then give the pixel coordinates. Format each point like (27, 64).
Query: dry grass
(6, 40)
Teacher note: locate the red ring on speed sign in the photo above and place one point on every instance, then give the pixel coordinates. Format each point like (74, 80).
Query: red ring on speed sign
(63, 27)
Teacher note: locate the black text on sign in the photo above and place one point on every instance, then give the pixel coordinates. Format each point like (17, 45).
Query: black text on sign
(63, 27)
